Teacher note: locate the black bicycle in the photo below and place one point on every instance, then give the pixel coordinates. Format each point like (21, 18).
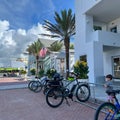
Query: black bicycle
(58, 93)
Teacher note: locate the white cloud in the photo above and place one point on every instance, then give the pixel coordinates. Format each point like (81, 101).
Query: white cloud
(21, 31)
(38, 31)
(4, 25)
(14, 42)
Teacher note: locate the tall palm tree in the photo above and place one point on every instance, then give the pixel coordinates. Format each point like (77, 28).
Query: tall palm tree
(34, 50)
(64, 28)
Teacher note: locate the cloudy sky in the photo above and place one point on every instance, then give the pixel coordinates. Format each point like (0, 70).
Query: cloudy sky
(21, 22)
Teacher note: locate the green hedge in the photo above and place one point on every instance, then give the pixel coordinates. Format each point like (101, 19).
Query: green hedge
(4, 70)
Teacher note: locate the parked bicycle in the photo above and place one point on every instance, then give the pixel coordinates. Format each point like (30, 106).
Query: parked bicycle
(37, 84)
(58, 93)
(45, 83)
(56, 80)
(107, 110)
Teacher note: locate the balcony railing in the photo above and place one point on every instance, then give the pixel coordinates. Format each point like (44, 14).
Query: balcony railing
(107, 38)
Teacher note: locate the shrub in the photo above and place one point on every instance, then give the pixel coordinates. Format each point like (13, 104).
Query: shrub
(41, 73)
(81, 68)
(23, 71)
(32, 71)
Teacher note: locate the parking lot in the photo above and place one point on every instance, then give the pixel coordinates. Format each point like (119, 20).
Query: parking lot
(23, 104)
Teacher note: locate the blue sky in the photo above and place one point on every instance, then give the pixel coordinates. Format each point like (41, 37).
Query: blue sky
(21, 24)
(26, 13)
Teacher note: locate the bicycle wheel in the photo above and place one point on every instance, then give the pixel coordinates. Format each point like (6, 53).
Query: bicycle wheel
(34, 86)
(38, 87)
(54, 97)
(29, 85)
(106, 111)
(83, 92)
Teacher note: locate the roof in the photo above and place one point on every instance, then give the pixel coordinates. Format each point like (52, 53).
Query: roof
(47, 42)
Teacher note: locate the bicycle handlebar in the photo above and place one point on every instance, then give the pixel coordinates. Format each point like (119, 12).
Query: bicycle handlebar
(76, 74)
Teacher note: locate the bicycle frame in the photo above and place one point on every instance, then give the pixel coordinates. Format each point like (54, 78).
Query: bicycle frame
(70, 82)
(116, 111)
(117, 104)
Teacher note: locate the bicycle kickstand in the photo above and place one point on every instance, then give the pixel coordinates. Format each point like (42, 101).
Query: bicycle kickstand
(67, 102)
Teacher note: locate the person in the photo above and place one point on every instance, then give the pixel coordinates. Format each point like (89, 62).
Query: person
(109, 87)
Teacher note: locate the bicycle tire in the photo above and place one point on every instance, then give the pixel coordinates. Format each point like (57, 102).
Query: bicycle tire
(105, 112)
(83, 93)
(29, 85)
(53, 95)
(39, 87)
(34, 86)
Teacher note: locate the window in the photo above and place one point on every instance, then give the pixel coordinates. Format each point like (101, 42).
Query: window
(116, 67)
(83, 58)
(114, 29)
(97, 28)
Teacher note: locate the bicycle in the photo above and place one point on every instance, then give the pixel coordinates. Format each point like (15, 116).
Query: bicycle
(107, 110)
(37, 84)
(57, 94)
(44, 83)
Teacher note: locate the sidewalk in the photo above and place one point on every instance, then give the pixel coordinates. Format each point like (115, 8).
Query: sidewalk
(12, 83)
(23, 104)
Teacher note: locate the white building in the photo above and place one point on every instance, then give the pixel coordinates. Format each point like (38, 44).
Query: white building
(52, 59)
(58, 61)
(100, 47)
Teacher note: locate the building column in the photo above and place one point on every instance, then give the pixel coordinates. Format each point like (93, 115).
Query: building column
(98, 63)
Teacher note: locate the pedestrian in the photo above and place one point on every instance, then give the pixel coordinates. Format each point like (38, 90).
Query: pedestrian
(109, 87)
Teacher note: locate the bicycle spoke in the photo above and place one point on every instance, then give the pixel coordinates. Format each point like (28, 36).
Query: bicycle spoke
(83, 93)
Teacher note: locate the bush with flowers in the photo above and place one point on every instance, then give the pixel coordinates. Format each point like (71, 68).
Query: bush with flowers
(82, 69)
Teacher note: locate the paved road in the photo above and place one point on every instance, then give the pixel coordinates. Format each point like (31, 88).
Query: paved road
(23, 104)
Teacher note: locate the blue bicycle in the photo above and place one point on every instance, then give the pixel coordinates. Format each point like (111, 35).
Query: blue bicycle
(107, 110)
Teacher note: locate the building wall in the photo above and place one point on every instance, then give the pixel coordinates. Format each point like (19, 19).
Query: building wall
(91, 43)
(58, 65)
(114, 23)
(108, 55)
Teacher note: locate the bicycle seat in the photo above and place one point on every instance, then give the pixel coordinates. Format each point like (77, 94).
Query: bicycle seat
(113, 92)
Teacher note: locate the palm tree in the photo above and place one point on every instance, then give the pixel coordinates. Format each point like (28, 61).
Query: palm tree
(64, 28)
(56, 46)
(34, 50)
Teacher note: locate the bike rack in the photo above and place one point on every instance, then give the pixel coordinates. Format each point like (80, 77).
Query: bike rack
(98, 91)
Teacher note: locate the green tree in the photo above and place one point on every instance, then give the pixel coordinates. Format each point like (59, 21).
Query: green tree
(64, 28)
(56, 46)
(71, 46)
(34, 50)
